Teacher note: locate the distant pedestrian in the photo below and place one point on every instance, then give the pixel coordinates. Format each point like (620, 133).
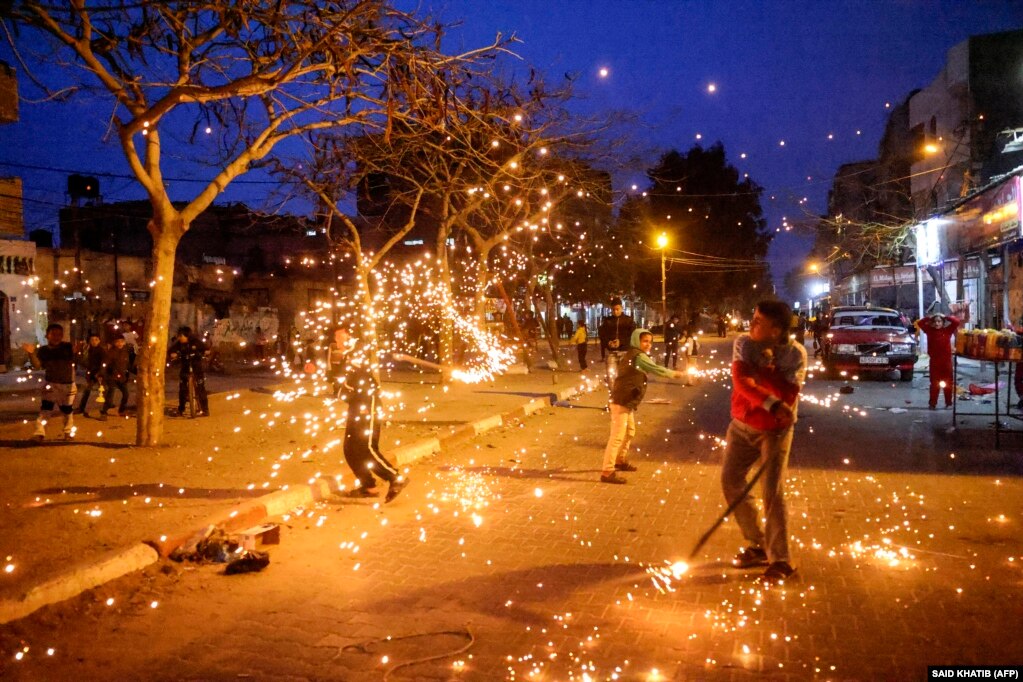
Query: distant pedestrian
(672, 331)
(581, 340)
(362, 424)
(117, 376)
(626, 395)
(57, 358)
(566, 327)
(530, 336)
(615, 333)
(939, 330)
(190, 351)
(722, 326)
(95, 363)
(259, 344)
(768, 370)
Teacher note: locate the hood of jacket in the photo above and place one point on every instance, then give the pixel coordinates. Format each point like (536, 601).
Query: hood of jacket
(638, 332)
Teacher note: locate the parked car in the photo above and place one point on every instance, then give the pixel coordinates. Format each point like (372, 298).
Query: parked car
(867, 339)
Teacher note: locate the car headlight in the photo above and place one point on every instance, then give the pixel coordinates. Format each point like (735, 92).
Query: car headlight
(902, 348)
(845, 348)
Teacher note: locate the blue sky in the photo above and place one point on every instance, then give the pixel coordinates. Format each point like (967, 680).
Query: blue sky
(783, 70)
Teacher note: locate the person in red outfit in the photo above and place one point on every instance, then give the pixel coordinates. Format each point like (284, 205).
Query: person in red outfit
(939, 330)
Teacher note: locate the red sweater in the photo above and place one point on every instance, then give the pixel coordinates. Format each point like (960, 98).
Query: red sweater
(781, 374)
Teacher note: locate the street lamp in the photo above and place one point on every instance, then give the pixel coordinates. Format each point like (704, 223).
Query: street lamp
(662, 243)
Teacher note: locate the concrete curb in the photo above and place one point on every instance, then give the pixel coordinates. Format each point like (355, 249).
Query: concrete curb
(247, 514)
(78, 580)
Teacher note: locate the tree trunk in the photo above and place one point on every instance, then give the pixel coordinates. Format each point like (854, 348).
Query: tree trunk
(553, 337)
(447, 328)
(153, 352)
(482, 277)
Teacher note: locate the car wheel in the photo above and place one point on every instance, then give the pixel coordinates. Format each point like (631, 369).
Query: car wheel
(906, 375)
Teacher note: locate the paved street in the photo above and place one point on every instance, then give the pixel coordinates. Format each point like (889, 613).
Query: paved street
(506, 559)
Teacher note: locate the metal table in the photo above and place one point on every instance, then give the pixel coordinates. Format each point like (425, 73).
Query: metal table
(998, 414)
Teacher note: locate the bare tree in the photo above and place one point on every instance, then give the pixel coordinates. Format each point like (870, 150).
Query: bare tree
(262, 72)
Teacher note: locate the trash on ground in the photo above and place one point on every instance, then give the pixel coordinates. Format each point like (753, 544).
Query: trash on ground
(265, 534)
(212, 545)
(250, 561)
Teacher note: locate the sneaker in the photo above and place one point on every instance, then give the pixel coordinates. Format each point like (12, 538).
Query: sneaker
(625, 466)
(395, 487)
(778, 572)
(612, 478)
(751, 556)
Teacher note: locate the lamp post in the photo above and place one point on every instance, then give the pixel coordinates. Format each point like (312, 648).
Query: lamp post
(662, 243)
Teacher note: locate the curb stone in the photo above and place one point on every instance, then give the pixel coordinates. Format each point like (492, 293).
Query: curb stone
(245, 515)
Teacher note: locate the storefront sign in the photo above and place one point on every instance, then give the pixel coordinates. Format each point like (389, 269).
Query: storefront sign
(989, 219)
(887, 277)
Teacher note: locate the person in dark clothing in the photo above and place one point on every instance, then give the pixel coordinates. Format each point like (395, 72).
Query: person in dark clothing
(722, 326)
(95, 362)
(57, 358)
(190, 351)
(626, 395)
(116, 376)
(615, 334)
(672, 331)
(360, 390)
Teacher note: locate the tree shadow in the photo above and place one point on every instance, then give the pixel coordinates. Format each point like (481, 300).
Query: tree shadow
(31, 443)
(115, 493)
(554, 474)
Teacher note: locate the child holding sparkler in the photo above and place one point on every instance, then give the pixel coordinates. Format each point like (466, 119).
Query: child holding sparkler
(626, 394)
(359, 388)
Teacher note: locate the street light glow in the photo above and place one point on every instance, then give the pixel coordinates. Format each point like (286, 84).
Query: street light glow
(662, 240)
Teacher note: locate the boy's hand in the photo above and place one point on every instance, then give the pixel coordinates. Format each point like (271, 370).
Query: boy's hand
(784, 414)
(29, 348)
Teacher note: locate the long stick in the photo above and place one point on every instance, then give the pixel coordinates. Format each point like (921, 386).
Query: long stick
(721, 519)
(402, 357)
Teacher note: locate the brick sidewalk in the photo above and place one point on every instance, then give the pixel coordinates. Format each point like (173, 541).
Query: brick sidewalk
(66, 504)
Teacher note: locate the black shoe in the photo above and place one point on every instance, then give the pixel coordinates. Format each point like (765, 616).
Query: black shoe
(778, 572)
(202, 413)
(612, 478)
(102, 416)
(395, 487)
(751, 556)
(625, 466)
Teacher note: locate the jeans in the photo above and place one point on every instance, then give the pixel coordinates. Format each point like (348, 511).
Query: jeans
(121, 386)
(91, 382)
(613, 358)
(581, 350)
(623, 430)
(747, 447)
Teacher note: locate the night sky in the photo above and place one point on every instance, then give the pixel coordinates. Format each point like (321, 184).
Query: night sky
(792, 71)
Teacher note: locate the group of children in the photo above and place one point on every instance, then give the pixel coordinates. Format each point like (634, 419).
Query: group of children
(107, 371)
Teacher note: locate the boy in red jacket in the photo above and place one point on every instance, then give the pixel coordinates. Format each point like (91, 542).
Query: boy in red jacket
(939, 330)
(767, 373)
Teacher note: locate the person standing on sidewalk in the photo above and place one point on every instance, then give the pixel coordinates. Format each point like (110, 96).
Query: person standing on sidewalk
(615, 333)
(768, 369)
(626, 395)
(116, 377)
(672, 331)
(95, 363)
(939, 330)
(362, 425)
(580, 340)
(57, 358)
(190, 351)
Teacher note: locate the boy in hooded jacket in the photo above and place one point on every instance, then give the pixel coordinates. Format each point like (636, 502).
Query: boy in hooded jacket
(626, 394)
